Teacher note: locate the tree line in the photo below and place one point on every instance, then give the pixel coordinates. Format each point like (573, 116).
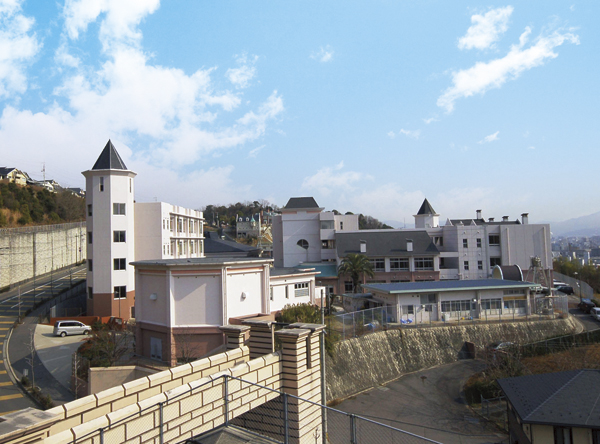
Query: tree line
(586, 273)
(25, 205)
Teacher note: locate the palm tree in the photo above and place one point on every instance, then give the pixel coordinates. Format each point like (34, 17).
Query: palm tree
(356, 265)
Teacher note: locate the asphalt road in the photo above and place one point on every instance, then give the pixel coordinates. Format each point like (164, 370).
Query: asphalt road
(429, 404)
(17, 301)
(589, 323)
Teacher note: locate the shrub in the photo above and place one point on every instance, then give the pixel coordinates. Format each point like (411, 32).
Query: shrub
(25, 381)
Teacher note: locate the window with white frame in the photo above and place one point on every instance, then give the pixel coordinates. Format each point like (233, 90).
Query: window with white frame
(478, 242)
(466, 265)
(423, 263)
(301, 289)
(119, 209)
(378, 264)
(495, 261)
(101, 183)
(348, 286)
(491, 304)
(119, 263)
(118, 236)
(399, 264)
(465, 243)
(480, 265)
(120, 292)
(449, 306)
(408, 309)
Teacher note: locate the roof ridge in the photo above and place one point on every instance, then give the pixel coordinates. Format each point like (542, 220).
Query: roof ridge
(556, 392)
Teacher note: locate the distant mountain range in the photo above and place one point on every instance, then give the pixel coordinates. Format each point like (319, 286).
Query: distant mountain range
(580, 226)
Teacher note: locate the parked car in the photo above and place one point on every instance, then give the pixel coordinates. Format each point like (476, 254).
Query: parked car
(566, 289)
(64, 328)
(595, 312)
(586, 305)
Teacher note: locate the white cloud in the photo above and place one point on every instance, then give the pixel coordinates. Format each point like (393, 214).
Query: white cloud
(490, 138)
(245, 72)
(410, 133)
(329, 178)
(18, 46)
(485, 76)
(430, 120)
(531, 148)
(253, 153)
(391, 135)
(486, 29)
(323, 54)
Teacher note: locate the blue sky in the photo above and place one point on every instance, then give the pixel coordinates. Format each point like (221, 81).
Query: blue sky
(367, 106)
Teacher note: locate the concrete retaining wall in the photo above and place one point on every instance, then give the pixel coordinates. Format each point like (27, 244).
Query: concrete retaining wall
(586, 290)
(370, 360)
(38, 250)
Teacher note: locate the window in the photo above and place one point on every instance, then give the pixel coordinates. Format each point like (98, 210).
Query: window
(301, 289)
(438, 240)
(480, 265)
(89, 210)
(130, 185)
(491, 304)
(271, 293)
(328, 244)
(466, 265)
(479, 243)
(465, 243)
(90, 293)
(408, 309)
(464, 305)
(348, 287)
(303, 243)
(89, 237)
(514, 292)
(119, 209)
(101, 183)
(427, 300)
(119, 263)
(398, 264)
(179, 226)
(442, 262)
(495, 261)
(423, 263)
(341, 225)
(287, 292)
(327, 225)
(377, 264)
(119, 236)
(563, 435)
(120, 292)
(494, 239)
(90, 265)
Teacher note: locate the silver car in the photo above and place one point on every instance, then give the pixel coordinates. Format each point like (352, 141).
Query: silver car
(64, 328)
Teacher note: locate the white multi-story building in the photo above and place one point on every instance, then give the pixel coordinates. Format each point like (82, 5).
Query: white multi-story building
(303, 232)
(121, 231)
(110, 235)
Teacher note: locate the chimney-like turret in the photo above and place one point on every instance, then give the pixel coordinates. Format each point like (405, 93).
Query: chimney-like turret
(491, 219)
(504, 218)
(478, 212)
(525, 218)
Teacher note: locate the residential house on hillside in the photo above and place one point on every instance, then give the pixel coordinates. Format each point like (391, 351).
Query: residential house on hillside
(560, 408)
(13, 175)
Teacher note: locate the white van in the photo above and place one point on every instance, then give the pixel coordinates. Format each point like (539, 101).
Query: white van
(595, 312)
(64, 328)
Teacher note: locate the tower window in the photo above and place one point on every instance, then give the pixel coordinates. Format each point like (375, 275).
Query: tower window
(101, 183)
(119, 209)
(119, 236)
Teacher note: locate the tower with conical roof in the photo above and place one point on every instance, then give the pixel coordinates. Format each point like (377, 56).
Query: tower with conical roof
(426, 217)
(110, 236)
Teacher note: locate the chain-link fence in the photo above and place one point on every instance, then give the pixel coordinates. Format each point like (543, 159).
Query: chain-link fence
(241, 404)
(561, 343)
(494, 410)
(351, 325)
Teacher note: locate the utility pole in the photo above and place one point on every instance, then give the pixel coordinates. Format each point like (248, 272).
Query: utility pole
(19, 301)
(323, 387)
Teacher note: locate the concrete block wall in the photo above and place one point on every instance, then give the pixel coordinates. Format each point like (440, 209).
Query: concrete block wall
(125, 395)
(38, 250)
(188, 409)
(380, 357)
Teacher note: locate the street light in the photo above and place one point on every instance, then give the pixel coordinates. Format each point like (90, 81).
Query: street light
(578, 285)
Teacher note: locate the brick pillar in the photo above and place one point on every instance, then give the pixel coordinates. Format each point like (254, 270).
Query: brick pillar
(236, 335)
(261, 340)
(301, 377)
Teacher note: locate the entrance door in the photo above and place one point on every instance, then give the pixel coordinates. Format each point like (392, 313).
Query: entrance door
(156, 348)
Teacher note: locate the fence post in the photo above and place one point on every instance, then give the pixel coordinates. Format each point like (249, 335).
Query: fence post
(481, 397)
(286, 425)
(160, 425)
(353, 439)
(101, 436)
(225, 382)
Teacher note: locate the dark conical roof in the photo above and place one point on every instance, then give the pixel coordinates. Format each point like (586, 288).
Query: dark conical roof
(426, 208)
(109, 159)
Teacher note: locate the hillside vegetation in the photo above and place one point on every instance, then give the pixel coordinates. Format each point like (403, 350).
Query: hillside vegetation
(30, 205)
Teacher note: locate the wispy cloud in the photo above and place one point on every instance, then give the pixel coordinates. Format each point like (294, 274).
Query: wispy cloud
(255, 151)
(530, 147)
(485, 76)
(486, 29)
(329, 178)
(490, 138)
(410, 133)
(391, 135)
(245, 72)
(324, 54)
(430, 120)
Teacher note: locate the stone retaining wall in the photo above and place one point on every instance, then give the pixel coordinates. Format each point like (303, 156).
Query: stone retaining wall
(370, 360)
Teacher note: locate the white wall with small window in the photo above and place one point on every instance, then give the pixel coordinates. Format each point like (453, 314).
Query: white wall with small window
(291, 289)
